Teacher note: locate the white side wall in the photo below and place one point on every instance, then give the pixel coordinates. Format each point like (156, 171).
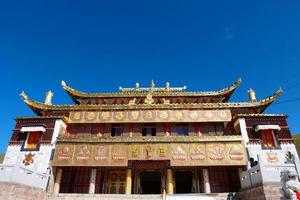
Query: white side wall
(270, 161)
(14, 158)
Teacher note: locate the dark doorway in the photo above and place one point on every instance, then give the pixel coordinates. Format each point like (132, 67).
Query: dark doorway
(150, 182)
(183, 182)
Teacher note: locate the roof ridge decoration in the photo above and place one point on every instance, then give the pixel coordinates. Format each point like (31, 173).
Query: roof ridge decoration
(152, 88)
(261, 115)
(137, 91)
(261, 105)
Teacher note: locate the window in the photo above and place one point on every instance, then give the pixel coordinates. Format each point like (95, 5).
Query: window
(116, 131)
(212, 128)
(181, 129)
(149, 131)
(268, 138)
(32, 141)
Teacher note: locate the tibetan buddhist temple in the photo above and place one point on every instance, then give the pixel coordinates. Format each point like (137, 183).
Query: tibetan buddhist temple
(150, 140)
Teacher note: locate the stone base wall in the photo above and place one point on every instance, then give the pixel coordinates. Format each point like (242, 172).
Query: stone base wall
(21, 192)
(268, 191)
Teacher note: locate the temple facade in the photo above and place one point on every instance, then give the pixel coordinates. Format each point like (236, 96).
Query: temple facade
(148, 140)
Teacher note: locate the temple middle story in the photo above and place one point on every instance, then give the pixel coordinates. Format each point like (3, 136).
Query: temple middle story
(149, 140)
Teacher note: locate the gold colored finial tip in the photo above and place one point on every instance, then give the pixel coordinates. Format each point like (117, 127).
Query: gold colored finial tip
(63, 83)
(23, 95)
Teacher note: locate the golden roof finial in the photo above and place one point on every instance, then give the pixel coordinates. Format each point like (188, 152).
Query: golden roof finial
(48, 98)
(63, 83)
(251, 94)
(152, 84)
(167, 85)
(137, 85)
(149, 99)
(23, 95)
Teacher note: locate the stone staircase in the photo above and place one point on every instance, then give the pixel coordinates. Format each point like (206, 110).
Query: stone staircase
(22, 192)
(105, 197)
(214, 196)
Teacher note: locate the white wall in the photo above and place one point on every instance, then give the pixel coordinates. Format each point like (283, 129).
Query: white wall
(13, 161)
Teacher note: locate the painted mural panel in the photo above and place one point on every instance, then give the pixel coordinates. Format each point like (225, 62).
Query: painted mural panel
(178, 153)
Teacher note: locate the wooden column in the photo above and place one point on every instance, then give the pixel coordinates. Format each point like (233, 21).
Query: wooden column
(131, 130)
(167, 129)
(170, 187)
(128, 181)
(240, 171)
(93, 181)
(206, 181)
(57, 180)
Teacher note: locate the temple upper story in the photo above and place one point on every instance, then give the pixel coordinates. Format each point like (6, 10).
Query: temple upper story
(171, 94)
(151, 98)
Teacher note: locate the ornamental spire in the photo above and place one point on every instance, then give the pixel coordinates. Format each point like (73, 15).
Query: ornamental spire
(152, 84)
(251, 94)
(167, 86)
(23, 95)
(48, 98)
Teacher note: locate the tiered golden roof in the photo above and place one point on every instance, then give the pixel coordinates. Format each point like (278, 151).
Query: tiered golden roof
(254, 106)
(155, 91)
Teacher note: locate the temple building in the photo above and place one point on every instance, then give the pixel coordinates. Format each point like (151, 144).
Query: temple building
(149, 140)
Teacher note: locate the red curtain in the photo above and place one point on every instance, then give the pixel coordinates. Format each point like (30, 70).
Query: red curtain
(267, 137)
(33, 140)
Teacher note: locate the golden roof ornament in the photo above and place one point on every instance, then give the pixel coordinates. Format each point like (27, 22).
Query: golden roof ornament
(167, 86)
(152, 84)
(137, 85)
(132, 101)
(63, 83)
(251, 94)
(23, 95)
(149, 99)
(48, 98)
(166, 101)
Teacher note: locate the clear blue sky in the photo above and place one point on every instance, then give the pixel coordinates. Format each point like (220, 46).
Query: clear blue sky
(100, 45)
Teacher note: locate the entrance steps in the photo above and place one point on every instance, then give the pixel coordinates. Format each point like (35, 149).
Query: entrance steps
(105, 197)
(213, 196)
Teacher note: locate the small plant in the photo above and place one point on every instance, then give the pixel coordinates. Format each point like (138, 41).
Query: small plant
(289, 158)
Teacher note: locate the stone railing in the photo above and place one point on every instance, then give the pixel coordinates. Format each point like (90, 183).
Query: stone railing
(18, 174)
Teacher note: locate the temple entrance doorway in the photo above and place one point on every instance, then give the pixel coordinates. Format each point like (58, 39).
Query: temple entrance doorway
(184, 181)
(150, 182)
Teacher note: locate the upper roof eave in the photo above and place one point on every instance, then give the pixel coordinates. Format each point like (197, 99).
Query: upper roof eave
(76, 94)
(260, 105)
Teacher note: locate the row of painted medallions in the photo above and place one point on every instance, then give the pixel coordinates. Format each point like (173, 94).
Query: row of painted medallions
(151, 116)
